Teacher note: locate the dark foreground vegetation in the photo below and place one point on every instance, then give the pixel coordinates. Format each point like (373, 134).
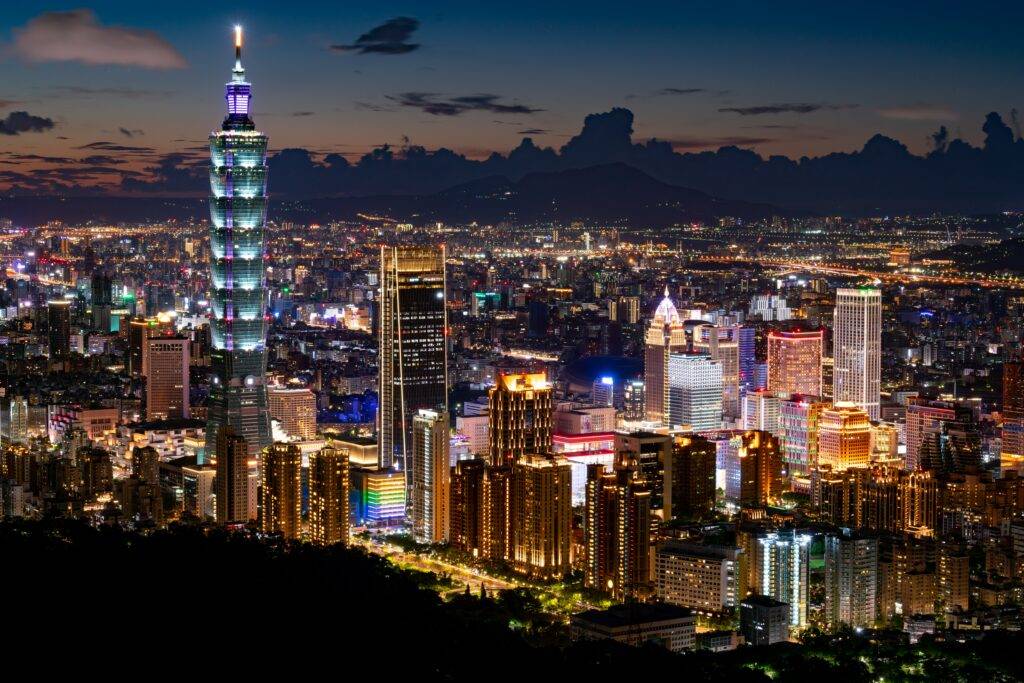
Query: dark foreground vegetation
(193, 602)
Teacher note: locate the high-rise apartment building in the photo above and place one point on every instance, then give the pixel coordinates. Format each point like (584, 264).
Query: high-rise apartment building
(542, 516)
(280, 509)
(520, 417)
(1012, 446)
(238, 291)
(232, 484)
(783, 565)
(430, 511)
(754, 468)
(693, 470)
(700, 576)
(844, 437)
(694, 392)
(412, 329)
(617, 531)
(58, 315)
(666, 335)
(329, 508)
(167, 382)
(851, 577)
(857, 348)
(295, 410)
(794, 362)
(467, 501)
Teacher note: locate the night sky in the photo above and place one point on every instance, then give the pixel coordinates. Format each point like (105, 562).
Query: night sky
(803, 79)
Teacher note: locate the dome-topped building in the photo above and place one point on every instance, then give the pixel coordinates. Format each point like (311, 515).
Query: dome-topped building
(665, 335)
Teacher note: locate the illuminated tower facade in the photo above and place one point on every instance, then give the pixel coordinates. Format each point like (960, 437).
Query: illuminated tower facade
(665, 336)
(413, 351)
(857, 348)
(794, 362)
(238, 294)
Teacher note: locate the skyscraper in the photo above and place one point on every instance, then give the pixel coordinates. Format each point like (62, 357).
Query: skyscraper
(102, 300)
(167, 384)
(694, 392)
(413, 351)
(281, 490)
(722, 344)
(238, 293)
(467, 505)
(431, 477)
(59, 318)
(857, 348)
(329, 496)
(794, 362)
(665, 335)
(519, 417)
(798, 416)
(923, 422)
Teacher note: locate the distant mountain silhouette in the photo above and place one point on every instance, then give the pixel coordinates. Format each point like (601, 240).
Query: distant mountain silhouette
(882, 177)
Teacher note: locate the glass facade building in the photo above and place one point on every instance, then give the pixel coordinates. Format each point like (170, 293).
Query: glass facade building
(238, 294)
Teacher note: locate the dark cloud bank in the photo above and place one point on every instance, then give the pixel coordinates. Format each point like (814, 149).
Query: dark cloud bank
(881, 177)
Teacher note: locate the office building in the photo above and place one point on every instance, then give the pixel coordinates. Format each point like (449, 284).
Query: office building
(197, 483)
(294, 409)
(280, 510)
(794, 362)
(412, 328)
(764, 620)
(798, 416)
(673, 628)
(167, 382)
(694, 392)
(431, 477)
(329, 487)
(238, 291)
(762, 411)
(857, 349)
(653, 454)
(722, 344)
(520, 419)
(666, 335)
(102, 299)
(844, 437)
(923, 424)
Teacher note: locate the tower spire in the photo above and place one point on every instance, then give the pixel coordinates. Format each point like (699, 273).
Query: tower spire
(238, 48)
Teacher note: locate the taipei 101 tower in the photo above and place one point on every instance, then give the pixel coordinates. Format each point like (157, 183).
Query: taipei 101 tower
(238, 294)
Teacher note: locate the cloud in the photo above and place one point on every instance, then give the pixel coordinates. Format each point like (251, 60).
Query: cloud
(76, 36)
(303, 113)
(127, 93)
(130, 132)
(785, 108)
(432, 103)
(107, 146)
(715, 143)
(919, 112)
(390, 38)
(533, 131)
(18, 122)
